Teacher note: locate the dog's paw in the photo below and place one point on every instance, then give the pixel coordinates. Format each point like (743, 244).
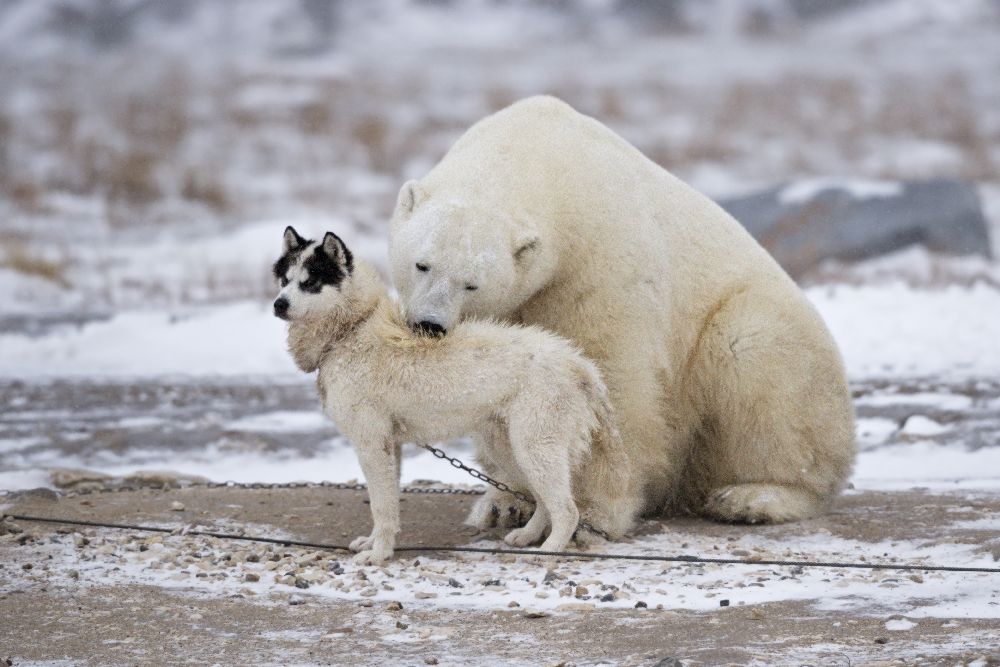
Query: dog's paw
(363, 543)
(374, 556)
(521, 537)
(499, 509)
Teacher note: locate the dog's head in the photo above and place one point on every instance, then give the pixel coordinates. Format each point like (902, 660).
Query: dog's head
(314, 276)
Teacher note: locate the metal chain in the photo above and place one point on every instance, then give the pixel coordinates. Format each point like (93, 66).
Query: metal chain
(261, 485)
(497, 484)
(441, 454)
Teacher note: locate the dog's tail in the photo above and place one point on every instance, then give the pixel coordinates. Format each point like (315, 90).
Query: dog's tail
(614, 500)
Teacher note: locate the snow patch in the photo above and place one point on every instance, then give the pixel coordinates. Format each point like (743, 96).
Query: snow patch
(804, 191)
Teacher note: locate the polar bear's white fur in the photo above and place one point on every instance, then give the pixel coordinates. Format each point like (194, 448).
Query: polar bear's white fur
(729, 390)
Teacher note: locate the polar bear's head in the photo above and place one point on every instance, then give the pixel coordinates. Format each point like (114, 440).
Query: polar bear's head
(453, 258)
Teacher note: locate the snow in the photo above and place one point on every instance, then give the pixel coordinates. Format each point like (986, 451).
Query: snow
(803, 191)
(919, 425)
(523, 579)
(883, 331)
(899, 624)
(927, 465)
(283, 421)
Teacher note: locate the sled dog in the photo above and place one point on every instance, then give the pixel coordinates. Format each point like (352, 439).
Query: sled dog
(540, 405)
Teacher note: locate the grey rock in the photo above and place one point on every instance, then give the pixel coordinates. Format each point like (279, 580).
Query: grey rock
(805, 222)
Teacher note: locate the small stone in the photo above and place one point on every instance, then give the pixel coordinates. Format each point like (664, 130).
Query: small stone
(550, 576)
(251, 576)
(533, 613)
(757, 614)
(493, 582)
(581, 591)
(301, 583)
(253, 558)
(641, 605)
(541, 594)
(881, 640)
(917, 578)
(454, 583)
(401, 625)
(176, 506)
(73, 574)
(576, 606)
(424, 595)
(296, 600)
(24, 538)
(609, 597)
(393, 606)
(669, 661)
(366, 603)
(27, 566)
(513, 604)
(723, 603)
(430, 660)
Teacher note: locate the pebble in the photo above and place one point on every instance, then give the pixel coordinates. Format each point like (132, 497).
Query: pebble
(176, 506)
(534, 613)
(296, 600)
(424, 595)
(393, 606)
(301, 583)
(430, 660)
(401, 625)
(576, 606)
(581, 591)
(366, 603)
(610, 597)
(917, 578)
(723, 603)
(251, 576)
(641, 605)
(454, 583)
(513, 604)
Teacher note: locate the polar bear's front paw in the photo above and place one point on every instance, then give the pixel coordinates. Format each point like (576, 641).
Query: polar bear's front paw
(522, 537)
(500, 509)
(362, 543)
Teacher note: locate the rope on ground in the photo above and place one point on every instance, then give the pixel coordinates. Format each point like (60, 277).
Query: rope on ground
(517, 552)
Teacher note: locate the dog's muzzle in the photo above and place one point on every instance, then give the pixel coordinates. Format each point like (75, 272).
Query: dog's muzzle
(281, 306)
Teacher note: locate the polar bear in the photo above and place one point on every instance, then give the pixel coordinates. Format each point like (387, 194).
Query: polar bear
(730, 392)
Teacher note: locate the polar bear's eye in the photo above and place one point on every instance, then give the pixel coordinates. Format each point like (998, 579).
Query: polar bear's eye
(471, 288)
(423, 268)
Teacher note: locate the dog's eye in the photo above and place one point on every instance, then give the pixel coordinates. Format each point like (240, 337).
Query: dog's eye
(282, 281)
(423, 268)
(309, 283)
(471, 288)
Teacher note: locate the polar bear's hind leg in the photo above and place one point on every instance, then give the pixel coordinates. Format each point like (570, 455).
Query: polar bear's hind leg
(761, 503)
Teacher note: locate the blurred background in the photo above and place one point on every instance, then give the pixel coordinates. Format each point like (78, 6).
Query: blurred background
(151, 152)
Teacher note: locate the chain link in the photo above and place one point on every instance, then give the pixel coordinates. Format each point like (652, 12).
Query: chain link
(497, 484)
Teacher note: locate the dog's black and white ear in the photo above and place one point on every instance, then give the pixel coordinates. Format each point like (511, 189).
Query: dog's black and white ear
(291, 240)
(334, 247)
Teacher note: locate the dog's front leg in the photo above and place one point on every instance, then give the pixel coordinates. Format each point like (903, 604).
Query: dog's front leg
(377, 458)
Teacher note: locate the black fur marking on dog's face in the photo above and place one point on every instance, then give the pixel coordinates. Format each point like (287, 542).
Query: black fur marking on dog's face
(323, 270)
(281, 267)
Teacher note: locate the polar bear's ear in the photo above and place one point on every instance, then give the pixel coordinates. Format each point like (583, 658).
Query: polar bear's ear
(525, 245)
(410, 195)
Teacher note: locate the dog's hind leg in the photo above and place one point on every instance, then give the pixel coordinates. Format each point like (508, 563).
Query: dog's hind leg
(545, 467)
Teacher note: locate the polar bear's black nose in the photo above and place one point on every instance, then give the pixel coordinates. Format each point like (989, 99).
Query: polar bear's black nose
(281, 307)
(432, 328)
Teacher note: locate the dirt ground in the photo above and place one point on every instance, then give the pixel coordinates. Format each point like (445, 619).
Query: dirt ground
(53, 614)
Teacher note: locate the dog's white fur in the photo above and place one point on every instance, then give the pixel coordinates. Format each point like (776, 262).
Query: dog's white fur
(729, 391)
(551, 428)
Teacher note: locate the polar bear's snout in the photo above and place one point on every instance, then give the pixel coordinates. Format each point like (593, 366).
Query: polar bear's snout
(429, 327)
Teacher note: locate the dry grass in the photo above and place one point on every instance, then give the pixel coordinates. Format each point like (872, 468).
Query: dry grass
(18, 258)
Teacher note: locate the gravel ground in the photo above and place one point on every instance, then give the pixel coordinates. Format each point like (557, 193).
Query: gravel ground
(74, 595)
